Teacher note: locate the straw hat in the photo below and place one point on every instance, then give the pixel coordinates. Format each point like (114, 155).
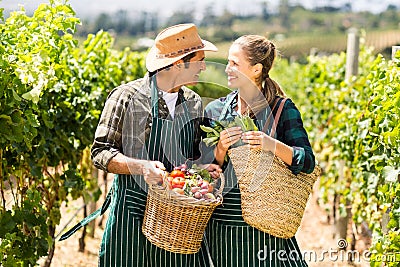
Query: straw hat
(174, 43)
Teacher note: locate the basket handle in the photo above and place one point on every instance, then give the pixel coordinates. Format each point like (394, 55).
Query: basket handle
(164, 186)
(221, 187)
(164, 181)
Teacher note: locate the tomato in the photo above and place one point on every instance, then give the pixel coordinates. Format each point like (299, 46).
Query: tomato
(178, 182)
(177, 173)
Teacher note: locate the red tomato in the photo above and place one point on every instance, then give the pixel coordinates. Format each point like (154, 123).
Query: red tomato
(178, 182)
(177, 173)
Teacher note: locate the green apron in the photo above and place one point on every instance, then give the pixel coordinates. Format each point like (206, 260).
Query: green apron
(123, 243)
(232, 242)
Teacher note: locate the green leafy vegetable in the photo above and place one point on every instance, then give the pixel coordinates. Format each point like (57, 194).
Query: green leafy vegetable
(213, 133)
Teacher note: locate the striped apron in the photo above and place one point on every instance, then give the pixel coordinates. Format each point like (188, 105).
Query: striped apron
(123, 243)
(234, 243)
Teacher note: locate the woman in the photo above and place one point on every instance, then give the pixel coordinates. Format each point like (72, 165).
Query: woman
(233, 242)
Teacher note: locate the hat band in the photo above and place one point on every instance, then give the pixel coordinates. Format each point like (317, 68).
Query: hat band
(180, 52)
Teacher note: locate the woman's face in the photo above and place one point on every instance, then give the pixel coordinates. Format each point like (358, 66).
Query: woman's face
(240, 72)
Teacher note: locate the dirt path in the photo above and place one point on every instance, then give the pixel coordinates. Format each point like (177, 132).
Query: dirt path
(318, 244)
(315, 239)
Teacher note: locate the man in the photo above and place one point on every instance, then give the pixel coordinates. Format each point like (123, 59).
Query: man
(148, 126)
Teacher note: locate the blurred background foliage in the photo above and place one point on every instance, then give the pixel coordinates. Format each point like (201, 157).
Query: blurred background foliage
(297, 31)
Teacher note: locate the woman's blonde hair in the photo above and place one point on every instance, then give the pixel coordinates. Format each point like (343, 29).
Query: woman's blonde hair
(261, 50)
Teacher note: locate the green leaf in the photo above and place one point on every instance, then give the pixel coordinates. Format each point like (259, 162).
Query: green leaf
(390, 174)
(7, 223)
(16, 117)
(32, 95)
(7, 119)
(206, 129)
(16, 96)
(211, 141)
(251, 126)
(393, 224)
(239, 122)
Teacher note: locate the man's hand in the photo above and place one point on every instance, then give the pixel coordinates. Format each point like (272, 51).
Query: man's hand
(214, 169)
(152, 171)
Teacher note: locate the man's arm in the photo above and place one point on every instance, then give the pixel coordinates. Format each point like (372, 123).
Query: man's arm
(151, 170)
(108, 135)
(106, 150)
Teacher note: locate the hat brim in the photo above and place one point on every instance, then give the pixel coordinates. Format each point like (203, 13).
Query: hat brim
(153, 63)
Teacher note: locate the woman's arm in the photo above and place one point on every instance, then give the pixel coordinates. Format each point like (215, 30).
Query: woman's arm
(291, 132)
(292, 144)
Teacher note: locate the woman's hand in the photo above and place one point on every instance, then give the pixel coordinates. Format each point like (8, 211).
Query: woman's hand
(226, 138)
(152, 171)
(258, 139)
(229, 137)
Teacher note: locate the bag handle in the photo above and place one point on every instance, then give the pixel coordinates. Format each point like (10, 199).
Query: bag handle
(277, 115)
(264, 129)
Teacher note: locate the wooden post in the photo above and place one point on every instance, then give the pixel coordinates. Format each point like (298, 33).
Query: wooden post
(353, 49)
(341, 222)
(313, 51)
(395, 48)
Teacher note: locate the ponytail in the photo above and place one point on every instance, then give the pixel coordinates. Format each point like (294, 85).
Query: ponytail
(271, 89)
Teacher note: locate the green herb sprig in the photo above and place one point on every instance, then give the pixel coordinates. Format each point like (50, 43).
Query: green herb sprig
(213, 132)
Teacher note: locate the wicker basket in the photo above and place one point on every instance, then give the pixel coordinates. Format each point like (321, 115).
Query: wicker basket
(273, 198)
(175, 222)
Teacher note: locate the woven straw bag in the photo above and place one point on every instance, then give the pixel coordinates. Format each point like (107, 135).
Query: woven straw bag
(273, 199)
(175, 222)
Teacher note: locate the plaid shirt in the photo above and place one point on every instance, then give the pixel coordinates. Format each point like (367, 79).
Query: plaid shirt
(125, 122)
(290, 130)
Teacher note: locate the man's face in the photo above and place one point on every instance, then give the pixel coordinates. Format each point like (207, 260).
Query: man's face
(191, 70)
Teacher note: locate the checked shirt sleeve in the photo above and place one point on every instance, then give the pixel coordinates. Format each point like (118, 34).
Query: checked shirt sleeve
(293, 134)
(108, 136)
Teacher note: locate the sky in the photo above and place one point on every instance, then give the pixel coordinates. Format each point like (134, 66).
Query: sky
(87, 8)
